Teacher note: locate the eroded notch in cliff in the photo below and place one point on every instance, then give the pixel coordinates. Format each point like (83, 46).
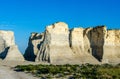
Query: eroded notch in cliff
(97, 37)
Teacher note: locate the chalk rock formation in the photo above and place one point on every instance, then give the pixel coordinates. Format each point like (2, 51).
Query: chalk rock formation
(78, 44)
(55, 47)
(97, 38)
(8, 37)
(76, 40)
(59, 45)
(112, 47)
(14, 54)
(8, 49)
(2, 44)
(33, 46)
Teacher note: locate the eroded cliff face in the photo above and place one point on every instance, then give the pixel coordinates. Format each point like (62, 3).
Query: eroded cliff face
(55, 47)
(80, 46)
(76, 40)
(8, 49)
(60, 45)
(97, 38)
(35, 41)
(112, 47)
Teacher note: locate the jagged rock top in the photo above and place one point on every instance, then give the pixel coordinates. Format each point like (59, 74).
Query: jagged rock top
(77, 29)
(57, 27)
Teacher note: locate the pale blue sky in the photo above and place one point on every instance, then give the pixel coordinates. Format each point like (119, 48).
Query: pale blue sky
(26, 16)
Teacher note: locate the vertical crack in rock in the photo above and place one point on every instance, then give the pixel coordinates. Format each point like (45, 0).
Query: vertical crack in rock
(80, 45)
(97, 37)
(55, 48)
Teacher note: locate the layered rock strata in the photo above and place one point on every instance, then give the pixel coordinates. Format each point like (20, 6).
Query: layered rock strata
(60, 45)
(55, 47)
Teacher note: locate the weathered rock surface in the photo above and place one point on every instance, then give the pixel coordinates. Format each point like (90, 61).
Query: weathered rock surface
(97, 38)
(59, 45)
(14, 54)
(8, 49)
(2, 44)
(112, 47)
(55, 47)
(78, 45)
(33, 46)
(8, 37)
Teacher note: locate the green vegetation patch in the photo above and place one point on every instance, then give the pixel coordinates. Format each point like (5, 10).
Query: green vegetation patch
(84, 71)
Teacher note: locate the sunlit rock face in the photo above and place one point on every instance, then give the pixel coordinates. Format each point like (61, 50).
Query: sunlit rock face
(61, 45)
(2, 44)
(112, 47)
(14, 54)
(8, 37)
(55, 47)
(80, 45)
(6, 43)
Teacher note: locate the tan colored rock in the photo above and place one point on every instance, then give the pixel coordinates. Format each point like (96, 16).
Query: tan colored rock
(89, 45)
(55, 48)
(14, 54)
(2, 44)
(80, 46)
(8, 36)
(8, 49)
(112, 47)
(76, 39)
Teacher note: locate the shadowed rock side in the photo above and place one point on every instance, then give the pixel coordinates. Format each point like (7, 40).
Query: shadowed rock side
(35, 41)
(14, 54)
(79, 44)
(97, 38)
(58, 45)
(8, 49)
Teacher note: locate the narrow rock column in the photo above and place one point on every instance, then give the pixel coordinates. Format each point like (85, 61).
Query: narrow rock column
(76, 41)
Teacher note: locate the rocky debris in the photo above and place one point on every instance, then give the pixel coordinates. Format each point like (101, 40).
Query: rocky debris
(60, 45)
(33, 46)
(8, 49)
